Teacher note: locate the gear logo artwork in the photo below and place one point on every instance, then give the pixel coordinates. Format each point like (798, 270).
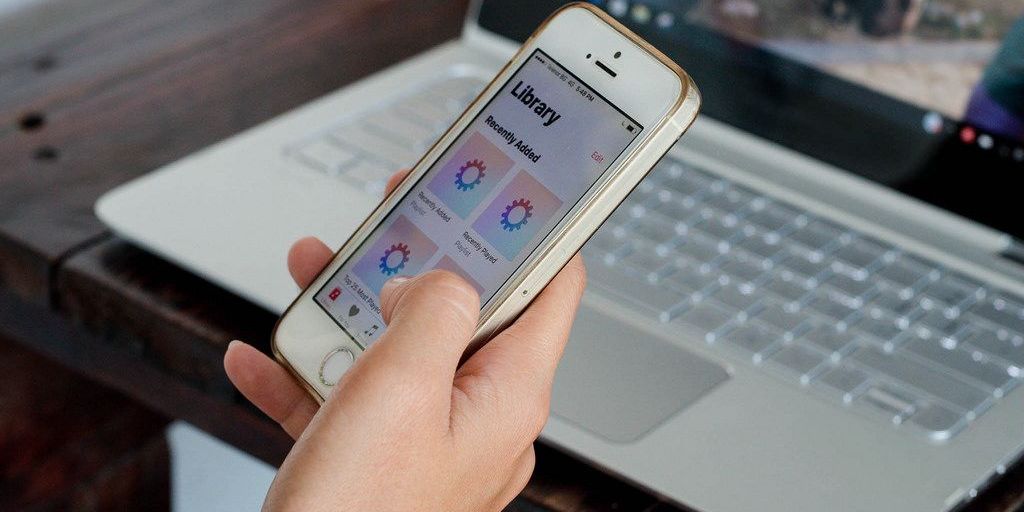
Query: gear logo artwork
(388, 265)
(461, 181)
(520, 203)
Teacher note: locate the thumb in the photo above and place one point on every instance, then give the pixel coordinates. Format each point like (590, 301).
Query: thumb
(430, 320)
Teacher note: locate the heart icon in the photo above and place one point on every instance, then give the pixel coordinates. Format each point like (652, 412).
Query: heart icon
(353, 311)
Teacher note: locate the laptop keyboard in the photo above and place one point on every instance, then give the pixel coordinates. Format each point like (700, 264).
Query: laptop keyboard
(366, 151)
(871, 327)
(825, 307)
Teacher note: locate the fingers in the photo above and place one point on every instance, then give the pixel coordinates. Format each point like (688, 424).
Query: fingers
(261, 380)
(270, 387)
(520, 362)
(306, 259)
(548, 320)
(394, 180)
(430, 319)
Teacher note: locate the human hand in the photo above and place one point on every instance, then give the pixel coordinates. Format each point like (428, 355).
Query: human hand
(407, 428)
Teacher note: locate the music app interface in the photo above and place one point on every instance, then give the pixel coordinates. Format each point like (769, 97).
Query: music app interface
(488, 202)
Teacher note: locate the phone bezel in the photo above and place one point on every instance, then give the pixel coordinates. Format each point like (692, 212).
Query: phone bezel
(668, 104)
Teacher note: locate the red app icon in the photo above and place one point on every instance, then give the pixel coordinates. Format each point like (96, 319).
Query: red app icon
(967, 135)
(335, 293)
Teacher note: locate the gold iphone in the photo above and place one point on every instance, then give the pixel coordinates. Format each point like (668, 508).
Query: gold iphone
(509, 194)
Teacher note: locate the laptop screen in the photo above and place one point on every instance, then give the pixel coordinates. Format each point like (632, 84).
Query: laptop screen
(923, 96)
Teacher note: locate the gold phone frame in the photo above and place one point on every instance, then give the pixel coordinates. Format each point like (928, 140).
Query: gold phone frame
(579, 224)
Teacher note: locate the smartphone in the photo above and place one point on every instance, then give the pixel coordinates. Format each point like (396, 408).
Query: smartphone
(509, 194)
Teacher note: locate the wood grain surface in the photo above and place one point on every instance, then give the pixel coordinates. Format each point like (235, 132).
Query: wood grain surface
(138, 84)
(96, 92)
(68, 445)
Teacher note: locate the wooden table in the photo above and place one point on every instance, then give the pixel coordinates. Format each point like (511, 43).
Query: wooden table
(101, 344)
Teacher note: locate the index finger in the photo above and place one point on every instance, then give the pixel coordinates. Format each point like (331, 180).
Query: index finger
(394, 180)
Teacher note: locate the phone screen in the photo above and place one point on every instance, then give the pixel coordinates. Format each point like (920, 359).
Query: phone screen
(520, 166)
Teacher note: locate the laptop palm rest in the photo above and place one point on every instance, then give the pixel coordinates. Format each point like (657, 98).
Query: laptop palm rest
(619, 382)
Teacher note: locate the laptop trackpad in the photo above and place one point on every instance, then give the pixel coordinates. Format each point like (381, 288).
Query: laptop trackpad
(620, 383)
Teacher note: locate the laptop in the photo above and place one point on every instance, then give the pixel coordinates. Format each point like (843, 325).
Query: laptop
(814, 302)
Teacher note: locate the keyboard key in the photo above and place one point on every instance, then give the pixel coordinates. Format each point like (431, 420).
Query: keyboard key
(1000, 346)
(883, 330)
(453, 105)
(786, 289)
(635, 210)
(909, 274)
(643, 261)
(816, 236)
(985, 372)
(788, 323)
(648, 192)
(756, 340)
(811, 272)
(758, 245)
(380, 146)
(917, 375)
(459, 86)
(426, 109)
(707, 318)
(735, 299)
(851, 290)
(754, 259)
(371, 176)
(774, 217)
(892, 403)
(618, 220)
(716, 229)
(718, 185)
(888, 299)
(675, 169)
(689, 183)
(690, 280)
(699, 249)
(659, 301)
(800, 280)
(657, 275)
(603, 241)
(940, 423)
(832, 307)
(848, 381)
(801, 361)
(935, 324)
(653, 228)
(679, 210)
(833, 342)
(325, 155)
(953, 290)
(615, 254)
(728, 201)
(454, 86)
(1002, 312)
(742, 272)
(414, 135)
(861, 254)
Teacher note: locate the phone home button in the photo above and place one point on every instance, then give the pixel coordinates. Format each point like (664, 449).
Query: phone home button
(335, 364)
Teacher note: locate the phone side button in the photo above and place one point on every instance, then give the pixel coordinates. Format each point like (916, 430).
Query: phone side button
(335, 364)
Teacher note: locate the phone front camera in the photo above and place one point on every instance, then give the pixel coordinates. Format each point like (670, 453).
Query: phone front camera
(618, 54)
